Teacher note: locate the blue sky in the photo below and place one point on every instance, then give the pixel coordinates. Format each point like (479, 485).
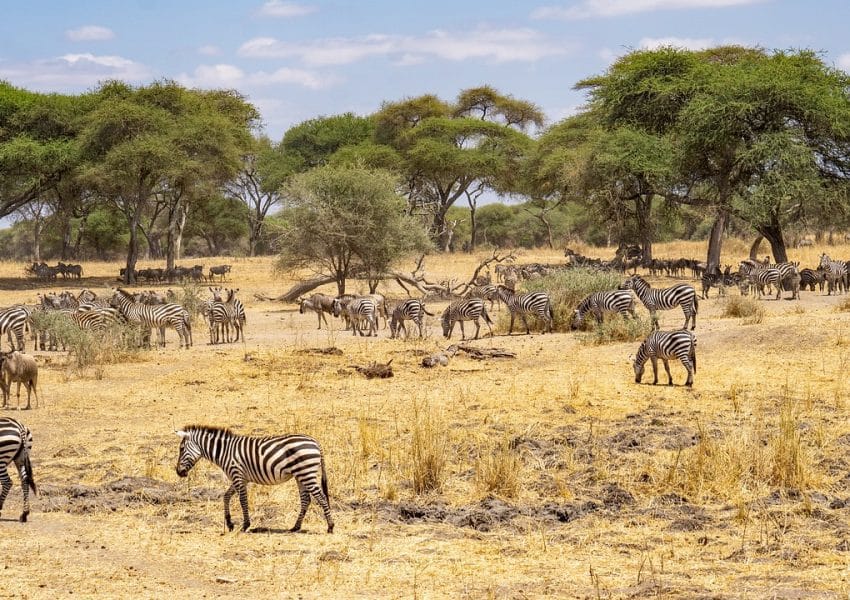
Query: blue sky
(299, 60)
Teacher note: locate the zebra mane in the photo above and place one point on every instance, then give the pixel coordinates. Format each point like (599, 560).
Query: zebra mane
(208, 429)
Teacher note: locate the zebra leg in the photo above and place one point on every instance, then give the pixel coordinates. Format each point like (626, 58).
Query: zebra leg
(25, 483)
(511, 328)
(243, 500)
(322, 500)
(525, 322)
(654, 361)
(463, 333)
(228, 522)
(690, 367)
(6, 483)
(667, 368)
(653, 317)
(304, 495)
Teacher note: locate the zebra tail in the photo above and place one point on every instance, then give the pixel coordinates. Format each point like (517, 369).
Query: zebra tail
(426, 312)
(694, 353)
(486, 316)
(696, 304)
(325, 482)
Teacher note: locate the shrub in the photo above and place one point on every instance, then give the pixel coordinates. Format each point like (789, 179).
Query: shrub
(428, 451)
(190, 298)
(617, 329)
(741, 307)
(113, 344)
(567, 288)
(497, 468)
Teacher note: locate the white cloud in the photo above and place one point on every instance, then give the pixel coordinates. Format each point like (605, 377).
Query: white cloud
(276, 8)
(676, 42)
(499, 45)
(844, 62)
(616, 8)
(89, 33)
(209, 50)
(230, 76)
(73, 71)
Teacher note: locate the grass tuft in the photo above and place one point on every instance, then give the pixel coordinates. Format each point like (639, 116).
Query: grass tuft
(429, 444)
(751, 311)
(497, 468)
(616, 330)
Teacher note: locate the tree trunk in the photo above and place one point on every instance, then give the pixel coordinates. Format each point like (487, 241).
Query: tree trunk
(81, 229)
(754, 249)
(255, 230)
(715, 240)
(66, 237)
(340, 283)
(132, 255)
(773, 234)
(473, 235)
(646, 228)
(548, 231)
(36, 239)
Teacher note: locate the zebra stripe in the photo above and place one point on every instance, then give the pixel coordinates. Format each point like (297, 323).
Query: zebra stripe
(15, 446)
(763, 278)
(533, 303)
(485, 292)
(263, 460)
(14, 321)
(836, 274)
(468, 309)
(158, 315)
(654, 300)
(811, 278)
(597, 303)
(363, 311)
(408, 310)
(665, 345)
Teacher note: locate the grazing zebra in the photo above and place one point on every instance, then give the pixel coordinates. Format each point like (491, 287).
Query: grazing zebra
(485, 292)
(809, 278)
(408, 310)
(762, 278)
(360, 310)
(264, 460)
(654, 300)
(534, 303)
(15, 446)
(321, 304)
(14, 321)
(159, 316)
(468, 309)
(597, 303)
(666, 345)
(836, 274)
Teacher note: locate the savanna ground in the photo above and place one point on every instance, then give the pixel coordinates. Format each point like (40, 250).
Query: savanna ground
(558, 475)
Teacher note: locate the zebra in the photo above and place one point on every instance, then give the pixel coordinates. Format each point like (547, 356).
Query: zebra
(665, 345)
(321, 304)
(785, 268)
(408, 310)
(654, 300)
(762, 278)
(15, 446)
(359, 310)
(224, 315)
(812, 277)
(597, 303)
(95, 318)
(160, 316)
(468, 309)
(14, 321)
(485, 292)
(264, 460)
(836, 274)
(536, 303)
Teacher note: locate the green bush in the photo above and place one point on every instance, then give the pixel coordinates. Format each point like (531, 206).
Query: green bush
(617, 329)
(566, 289)
(111, 345)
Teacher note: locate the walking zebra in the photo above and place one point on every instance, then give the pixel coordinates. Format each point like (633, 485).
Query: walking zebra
(361, 310)
(408, 310)
(159, 316)
(836, 274)
(15, 446)
(654, 300)
(534, 303)
(485, 292)
(763, 278)
(666, 345)
(321, 304)
(597, 303)
(264, 460)
(468, 309)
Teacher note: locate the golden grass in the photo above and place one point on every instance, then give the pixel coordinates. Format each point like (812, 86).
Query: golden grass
(549, 475)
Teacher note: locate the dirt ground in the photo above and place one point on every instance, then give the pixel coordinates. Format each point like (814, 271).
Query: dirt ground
(737, 488)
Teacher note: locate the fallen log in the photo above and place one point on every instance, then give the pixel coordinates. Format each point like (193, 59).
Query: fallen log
(442, 358)
(375, 369)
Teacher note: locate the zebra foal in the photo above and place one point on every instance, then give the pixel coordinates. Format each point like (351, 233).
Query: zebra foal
(15, 446)
(408, 310)
(598, 303)
(264, 460)
(534, 303)
(665, 345)
(469, 309)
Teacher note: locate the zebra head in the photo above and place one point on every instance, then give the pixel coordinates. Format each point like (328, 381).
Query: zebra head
(337, 307)
(639, 367)
(824, 260)
(628, 284)
(190, 452)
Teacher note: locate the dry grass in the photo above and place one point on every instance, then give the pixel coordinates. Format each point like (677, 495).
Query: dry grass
(751, 311)
(736, 488)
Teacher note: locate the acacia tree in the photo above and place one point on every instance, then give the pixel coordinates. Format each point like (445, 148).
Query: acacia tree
(449, 151)
(346, 220)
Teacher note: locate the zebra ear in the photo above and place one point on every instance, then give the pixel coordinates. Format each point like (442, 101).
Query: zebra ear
(182, 434)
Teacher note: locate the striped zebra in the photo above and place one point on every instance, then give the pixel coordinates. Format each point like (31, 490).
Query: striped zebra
(95, 318)
(836, 274)
(15, 446)
(14, 322)
(597, 303)
(467, 309)
(654, 300)
(485, 292)
(223, 317)
(264, 460)
(408, 310)
(239, 314)
(532, 303)
(159, 316)
(809, 278)
(665, 345)
(362, 310)
(763, 278)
